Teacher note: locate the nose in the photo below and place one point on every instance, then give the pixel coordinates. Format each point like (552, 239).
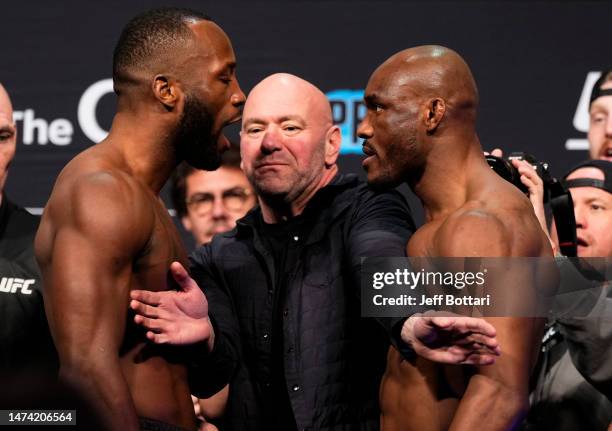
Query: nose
(581, 217)
(271, 141)
(238, 98)
(218, 209)
(365, 130)
(609, 126)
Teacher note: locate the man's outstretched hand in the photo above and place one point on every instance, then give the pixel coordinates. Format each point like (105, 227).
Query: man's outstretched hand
(174, 317)
(451, 339)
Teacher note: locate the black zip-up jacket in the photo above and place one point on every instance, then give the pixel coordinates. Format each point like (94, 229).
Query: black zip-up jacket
(333, 358)
(26, 347)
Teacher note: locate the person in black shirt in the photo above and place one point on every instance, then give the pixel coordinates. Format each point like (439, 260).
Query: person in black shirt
(283, 288)
(26, 353)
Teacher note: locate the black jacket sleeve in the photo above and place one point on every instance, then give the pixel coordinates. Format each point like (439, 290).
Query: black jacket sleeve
(380, 227)
(210, 372)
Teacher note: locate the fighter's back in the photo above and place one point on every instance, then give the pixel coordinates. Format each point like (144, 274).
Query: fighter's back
(105, 232)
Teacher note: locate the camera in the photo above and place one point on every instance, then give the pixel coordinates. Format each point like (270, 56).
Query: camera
(560, 199)
(505, 169)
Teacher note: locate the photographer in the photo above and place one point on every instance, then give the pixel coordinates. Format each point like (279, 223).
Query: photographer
(575, 373)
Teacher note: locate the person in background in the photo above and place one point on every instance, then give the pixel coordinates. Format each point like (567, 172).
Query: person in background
(210, 202)
(575, 377)
(574, 388)
(27, 352)
(600, 118)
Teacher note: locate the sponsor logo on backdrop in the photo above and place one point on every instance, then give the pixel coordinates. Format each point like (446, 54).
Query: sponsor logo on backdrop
(581, 117)
(60, 131)
(348, 110)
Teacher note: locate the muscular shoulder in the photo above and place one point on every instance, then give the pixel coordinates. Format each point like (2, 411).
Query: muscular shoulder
(482, 229)
(101, 203)
(473, 232)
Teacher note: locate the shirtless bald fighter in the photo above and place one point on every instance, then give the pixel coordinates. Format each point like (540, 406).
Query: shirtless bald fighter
(420, 129)
(105, 230)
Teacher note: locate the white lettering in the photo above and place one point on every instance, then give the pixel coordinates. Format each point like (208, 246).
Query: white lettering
(12, 285)
(30, 124)
(60, 132)
(87, 109)
(17, 284)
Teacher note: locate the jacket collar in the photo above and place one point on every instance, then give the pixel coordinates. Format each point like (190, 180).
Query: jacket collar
(327, 202)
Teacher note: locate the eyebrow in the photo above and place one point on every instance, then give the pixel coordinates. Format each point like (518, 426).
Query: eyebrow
(370, 98)
(282, 119)
(231, 66)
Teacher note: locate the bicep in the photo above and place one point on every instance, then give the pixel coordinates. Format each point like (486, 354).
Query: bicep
(519, 340)
(87, 296)
(87, 277)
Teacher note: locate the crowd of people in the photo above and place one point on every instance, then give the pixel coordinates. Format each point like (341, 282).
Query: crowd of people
(261, 326)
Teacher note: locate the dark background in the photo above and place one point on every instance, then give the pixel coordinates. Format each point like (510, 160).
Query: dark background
(530, 60)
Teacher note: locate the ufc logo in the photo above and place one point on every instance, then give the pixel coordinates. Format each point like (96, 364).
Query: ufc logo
(12, 285)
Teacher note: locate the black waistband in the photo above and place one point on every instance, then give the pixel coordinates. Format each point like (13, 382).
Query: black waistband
(147, 424)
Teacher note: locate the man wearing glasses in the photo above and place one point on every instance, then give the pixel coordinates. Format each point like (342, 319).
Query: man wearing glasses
(210, 202)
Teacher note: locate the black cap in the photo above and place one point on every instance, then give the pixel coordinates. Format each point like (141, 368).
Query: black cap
(604, 166)
(597, 91)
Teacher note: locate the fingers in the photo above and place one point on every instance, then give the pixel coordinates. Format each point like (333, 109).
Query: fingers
(531, 186)
(463, 324)
(460, 355)
(479, 359)
(155, 325)
(157, 338)
(144, 309)
(480, 341)
(146, 297)
(457, 355)
(528, 171)
(181, 276)
(497, 152)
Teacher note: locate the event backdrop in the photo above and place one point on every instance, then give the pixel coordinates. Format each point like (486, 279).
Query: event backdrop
(534, 63)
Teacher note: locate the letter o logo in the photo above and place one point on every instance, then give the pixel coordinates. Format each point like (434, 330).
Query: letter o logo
(87, 109)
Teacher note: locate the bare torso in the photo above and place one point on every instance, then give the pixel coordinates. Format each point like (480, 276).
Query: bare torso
(155, 376)
(426, 396)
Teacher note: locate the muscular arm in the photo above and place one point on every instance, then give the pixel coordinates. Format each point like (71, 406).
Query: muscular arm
(86, 246)
(501, 388)
(380, 229)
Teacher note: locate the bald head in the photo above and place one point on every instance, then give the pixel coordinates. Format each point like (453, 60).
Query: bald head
(431, 71)
(8, 135)
(283, 91)
(6, 107)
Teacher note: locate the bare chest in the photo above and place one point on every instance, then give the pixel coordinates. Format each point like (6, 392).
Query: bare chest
(151, 268)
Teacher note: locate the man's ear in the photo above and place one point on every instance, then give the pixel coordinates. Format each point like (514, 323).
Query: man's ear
(167, 92)
(434, 112)
(333, 141)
